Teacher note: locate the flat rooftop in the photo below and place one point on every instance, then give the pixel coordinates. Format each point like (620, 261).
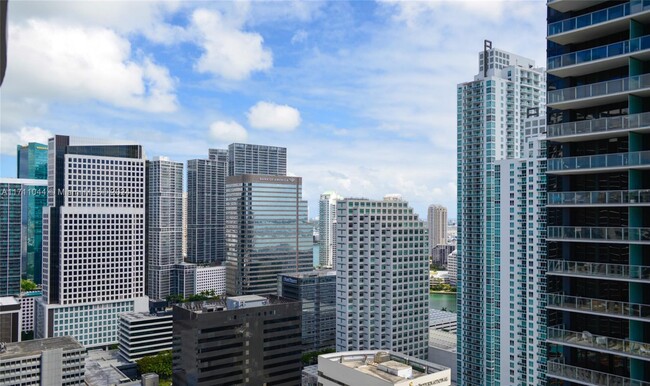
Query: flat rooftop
(221, 304)
(36, 347)
(135, 316)
(314, 273)
(443, 340)
(8, 301)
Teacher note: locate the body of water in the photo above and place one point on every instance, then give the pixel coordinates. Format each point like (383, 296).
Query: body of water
(440, 301)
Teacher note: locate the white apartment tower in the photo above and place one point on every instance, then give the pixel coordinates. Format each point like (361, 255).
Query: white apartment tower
(491, 113)
(520, 236)
(164, 225)
(327, 228)
(437, 221)
(93, 239)
(382, 282)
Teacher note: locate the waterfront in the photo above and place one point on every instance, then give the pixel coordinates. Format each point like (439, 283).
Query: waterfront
(439, 301)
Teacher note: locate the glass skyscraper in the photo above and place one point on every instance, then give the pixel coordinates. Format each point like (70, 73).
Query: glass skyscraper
(266, 232)
(32, 161)
(598, 192)
(491, 111)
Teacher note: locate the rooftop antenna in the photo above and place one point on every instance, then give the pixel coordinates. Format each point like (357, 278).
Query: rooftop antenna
(487, 45)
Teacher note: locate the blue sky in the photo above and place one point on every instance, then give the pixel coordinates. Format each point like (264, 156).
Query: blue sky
(361, 93)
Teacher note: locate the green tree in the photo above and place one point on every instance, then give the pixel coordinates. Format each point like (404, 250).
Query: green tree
(160, 364)
(27, 285)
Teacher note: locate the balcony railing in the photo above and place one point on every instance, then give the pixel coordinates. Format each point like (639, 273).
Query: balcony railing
(586, 339)
(600, 306)
(636, 272)
(597, 53)
(612, 197)
(599, 233)
(622, 122)
(600, 16)
(555, 368)
(637, 158)
(599, 89)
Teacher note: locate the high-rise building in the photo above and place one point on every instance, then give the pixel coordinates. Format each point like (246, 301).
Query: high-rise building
(21, 241)
(520, 233)
(210, 279)
(452, 267)
(10, 319)
(327, 228)
(317, 292)
(31, 161)
(184, 205)
(205, 210)
(244, 158)
(437, 221)
(93, 239)
(598, 181)
(243, 340)
(382, 277)
(266, 232)
(184, 279)
(141, 334)
(491, 112)
(164, 224)
(46, 362)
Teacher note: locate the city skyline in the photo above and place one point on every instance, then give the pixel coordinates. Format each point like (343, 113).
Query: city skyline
(363, 96)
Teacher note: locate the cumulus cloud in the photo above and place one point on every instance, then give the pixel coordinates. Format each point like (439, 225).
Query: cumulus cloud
(49, 60)
(229, 131)
(21, 137)
(271, 116)
(228, 52)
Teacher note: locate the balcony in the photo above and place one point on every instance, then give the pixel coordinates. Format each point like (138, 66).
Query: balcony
(595, 24)
(597, 128)
(599, 234)
(599, 93)
(609, 308)
(605, 344)
(600, 198)
(604, 271)
(557, 369)
(596, 163)
(591, 60)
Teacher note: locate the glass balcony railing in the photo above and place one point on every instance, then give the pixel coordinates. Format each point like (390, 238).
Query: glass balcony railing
(622, 122)
(597, 17)
(597, 53)
(555, 368)
(599, 233)
(639, 158)
(606, 307)
(612, 197)
(586, 339)
(622, 271)
(599, 89)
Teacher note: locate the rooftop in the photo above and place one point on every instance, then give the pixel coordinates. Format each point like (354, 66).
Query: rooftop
(317, 272)
(443, 340)
(225, 303)
(36, 347)
(132, 316)
(102, 369)
(8, 301)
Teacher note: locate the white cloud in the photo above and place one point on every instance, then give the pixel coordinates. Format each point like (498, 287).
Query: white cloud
(270, 116)
(299, 37)
(228, 52)
(52, 61)
(9, 140)
(229, 131)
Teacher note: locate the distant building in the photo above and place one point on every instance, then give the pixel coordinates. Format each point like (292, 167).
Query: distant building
(244, 158)
(251, 340)
(21, 222)
(442, 320)
(317, 292)
(327, 228)
(31, 161)
(46, 362)
(164, 225)
(210, 278)
(452, 267)
(94, 224)
(437, 222)
(266, 232)
(10, 328)
(183, 279)
(27, 301)
(382, 277)
(141, 334)
(379, 368)
(443, 350)
(440, 252)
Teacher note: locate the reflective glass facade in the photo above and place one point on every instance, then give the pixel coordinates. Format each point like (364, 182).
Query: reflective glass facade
(266, 232)
(317, 292)
(598, 175)
(31, 161)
